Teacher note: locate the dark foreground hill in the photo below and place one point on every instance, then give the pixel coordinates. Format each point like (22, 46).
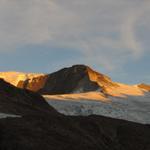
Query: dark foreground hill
(72, 133)
(21, 102)
(40, 127)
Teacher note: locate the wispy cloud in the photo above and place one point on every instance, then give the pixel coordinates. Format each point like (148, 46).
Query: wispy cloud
(128, 30)
(104, 32)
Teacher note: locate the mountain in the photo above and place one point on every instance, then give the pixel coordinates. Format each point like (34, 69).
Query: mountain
(78, 78)
(31, 124)
(75, 79)
(79, 90)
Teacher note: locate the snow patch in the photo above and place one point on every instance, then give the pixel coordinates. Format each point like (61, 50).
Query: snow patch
(4, 115)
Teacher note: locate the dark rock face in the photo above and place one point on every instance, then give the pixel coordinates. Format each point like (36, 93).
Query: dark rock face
(78, 78)
(21, 102)
(69, 80)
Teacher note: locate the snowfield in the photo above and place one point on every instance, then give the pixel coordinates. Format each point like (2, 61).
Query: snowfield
(15, 77)
(3, 115)
(131, 107)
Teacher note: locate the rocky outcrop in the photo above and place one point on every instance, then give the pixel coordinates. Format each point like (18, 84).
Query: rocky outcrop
(144, 86)
(34, 84)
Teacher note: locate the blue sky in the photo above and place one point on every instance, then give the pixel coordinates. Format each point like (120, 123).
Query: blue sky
(112, 36)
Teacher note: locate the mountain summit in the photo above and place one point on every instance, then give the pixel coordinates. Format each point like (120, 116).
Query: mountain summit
(76, 79)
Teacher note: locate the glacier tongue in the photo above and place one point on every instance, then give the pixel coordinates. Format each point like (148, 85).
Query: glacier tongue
(131, 108)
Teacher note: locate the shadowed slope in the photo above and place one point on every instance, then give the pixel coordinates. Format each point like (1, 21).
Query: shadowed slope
(22, 102)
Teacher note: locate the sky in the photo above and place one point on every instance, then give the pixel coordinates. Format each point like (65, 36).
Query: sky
(111, 36)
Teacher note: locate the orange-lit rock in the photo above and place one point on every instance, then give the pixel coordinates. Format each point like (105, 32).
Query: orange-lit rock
(33, 84)
(144, 86)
